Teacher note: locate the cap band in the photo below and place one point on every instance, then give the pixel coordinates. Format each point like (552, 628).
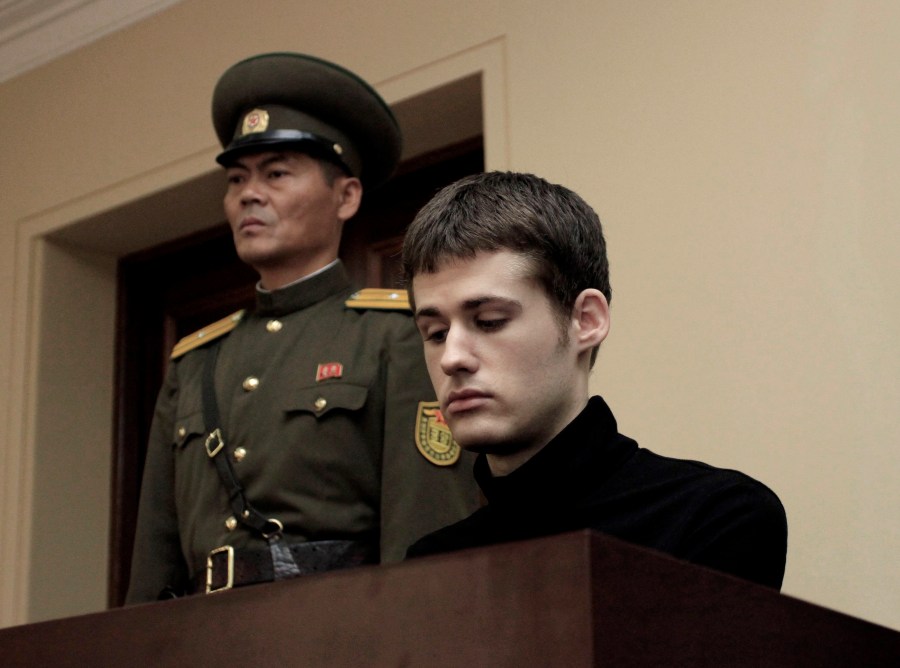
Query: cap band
(317, 146)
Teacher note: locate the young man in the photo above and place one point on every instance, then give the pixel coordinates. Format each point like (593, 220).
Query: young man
(286, 440)
(510, 286)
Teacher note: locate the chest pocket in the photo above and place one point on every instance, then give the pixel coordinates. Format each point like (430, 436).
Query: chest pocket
(324, 399)
(187, 429)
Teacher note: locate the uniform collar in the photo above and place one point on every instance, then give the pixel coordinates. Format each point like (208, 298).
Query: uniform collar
(306, 292)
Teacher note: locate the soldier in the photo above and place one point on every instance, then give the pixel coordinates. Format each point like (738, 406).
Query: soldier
(301, 436)
(510, 283)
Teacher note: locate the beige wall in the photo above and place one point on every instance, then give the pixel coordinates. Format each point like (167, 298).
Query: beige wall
(744, 157)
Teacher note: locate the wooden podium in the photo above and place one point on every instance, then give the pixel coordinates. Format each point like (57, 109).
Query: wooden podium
(578, 599)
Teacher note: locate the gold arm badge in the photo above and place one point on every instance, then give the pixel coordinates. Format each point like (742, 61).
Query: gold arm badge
(433, 437)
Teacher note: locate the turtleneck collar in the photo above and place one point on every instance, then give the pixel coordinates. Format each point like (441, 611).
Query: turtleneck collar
(587, 446)
(303, 293)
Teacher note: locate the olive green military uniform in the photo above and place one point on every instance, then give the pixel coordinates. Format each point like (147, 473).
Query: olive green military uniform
(329, 419)
(319, 404)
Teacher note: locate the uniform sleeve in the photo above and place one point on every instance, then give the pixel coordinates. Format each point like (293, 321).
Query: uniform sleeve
(417, 496)
(746, 535)
(157, 561)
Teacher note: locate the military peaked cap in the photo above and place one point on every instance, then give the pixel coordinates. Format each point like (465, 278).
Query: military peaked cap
(292, 100)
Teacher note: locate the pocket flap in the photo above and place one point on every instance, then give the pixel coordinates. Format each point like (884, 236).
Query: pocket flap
(188, 427)
(323, 399)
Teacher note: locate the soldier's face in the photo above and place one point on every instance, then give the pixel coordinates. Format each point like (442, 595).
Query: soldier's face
(286, 219)
(504, 370)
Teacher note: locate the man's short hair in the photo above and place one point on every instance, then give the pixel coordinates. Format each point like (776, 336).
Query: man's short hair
(332, 171)
(547, 223)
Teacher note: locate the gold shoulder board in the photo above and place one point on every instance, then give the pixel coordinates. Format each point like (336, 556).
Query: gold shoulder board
(385, 299)
(207, 334)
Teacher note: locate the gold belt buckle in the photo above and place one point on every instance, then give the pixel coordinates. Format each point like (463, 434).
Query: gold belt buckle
(229, 582)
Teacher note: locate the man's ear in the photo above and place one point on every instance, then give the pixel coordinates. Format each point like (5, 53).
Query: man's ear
(349, 189)
(590, 319)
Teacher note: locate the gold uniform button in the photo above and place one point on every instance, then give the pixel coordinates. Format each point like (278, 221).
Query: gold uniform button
(182, 432)
(250, 383)
(231, 523)
(320, 403)
(239, 454)
(274, 326)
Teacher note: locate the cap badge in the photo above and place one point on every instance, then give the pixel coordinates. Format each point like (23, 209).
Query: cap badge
(329, 370)
(256, 120)
(433, 437)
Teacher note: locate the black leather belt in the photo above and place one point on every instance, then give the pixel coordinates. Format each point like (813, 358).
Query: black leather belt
(228, 567)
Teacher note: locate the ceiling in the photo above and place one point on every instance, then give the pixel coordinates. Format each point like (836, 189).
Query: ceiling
(34, 32)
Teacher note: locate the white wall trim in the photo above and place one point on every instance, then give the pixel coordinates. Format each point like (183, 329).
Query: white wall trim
(488, 60)
(35, 32)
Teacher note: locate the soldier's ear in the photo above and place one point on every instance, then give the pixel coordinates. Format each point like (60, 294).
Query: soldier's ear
(590, 319)
(349, 191)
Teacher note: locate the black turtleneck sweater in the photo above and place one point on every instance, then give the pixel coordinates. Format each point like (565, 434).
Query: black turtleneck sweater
(591, 476)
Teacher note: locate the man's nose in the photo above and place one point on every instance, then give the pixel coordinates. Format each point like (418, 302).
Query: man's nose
(458, 354)
(252, 192)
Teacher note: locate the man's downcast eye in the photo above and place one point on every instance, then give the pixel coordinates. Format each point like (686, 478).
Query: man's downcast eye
(493, 324)
(435, 335)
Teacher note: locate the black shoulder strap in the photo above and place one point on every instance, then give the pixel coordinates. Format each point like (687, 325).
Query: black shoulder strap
(215, 446)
